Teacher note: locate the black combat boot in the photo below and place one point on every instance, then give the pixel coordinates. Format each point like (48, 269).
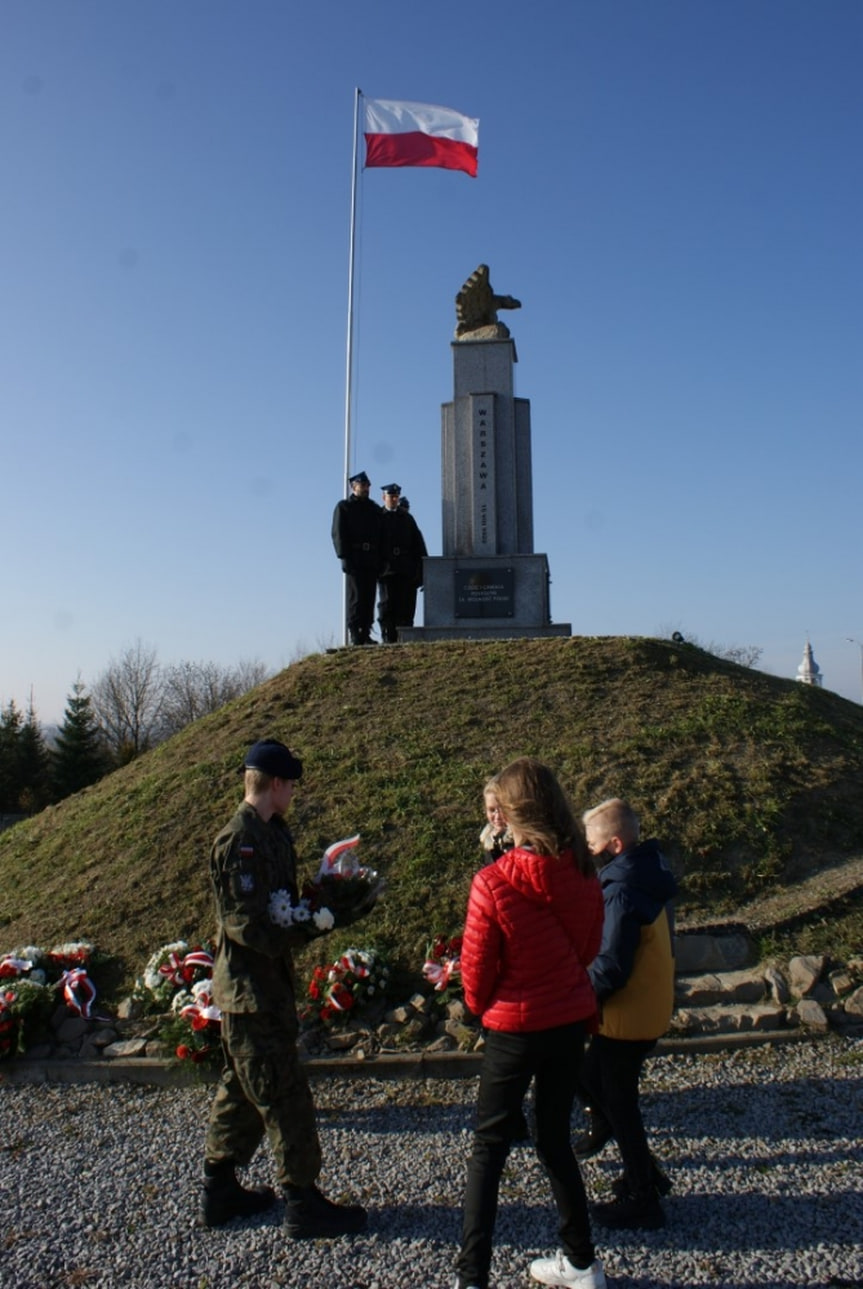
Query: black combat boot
(621, 1189)
(640, 1212)
(224, 1197)
(592, 1141)
(310, 1216)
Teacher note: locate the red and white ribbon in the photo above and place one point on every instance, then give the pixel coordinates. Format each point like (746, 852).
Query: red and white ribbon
(440, 973)
(333, 861)
(79, 991)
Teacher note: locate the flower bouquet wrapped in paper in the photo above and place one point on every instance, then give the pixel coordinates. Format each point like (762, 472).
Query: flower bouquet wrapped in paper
(346, 887)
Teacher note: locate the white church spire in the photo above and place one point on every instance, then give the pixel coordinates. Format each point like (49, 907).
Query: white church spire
(809, 673)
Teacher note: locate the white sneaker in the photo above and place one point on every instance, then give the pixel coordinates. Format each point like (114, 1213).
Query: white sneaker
(560, 1271)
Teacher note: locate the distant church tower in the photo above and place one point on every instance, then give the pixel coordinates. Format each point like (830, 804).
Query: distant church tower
(809, 673)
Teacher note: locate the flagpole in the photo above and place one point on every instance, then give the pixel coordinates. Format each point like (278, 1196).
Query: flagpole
(349, 356)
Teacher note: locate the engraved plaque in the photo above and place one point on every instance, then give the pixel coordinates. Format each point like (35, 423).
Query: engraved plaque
(484, 592)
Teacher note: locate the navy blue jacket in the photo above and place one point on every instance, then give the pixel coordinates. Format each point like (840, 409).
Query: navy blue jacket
(636, 886)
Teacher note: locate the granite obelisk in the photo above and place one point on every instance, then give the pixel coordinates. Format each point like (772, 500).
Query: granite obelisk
(488, 583)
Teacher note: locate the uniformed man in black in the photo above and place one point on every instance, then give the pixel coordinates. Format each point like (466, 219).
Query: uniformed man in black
(401, 570)
(263, 1088)
(356, 538)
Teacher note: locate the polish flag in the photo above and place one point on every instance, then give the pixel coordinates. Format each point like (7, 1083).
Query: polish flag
(419, 134)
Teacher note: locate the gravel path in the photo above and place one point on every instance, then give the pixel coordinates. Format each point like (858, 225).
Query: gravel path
(98, 1185)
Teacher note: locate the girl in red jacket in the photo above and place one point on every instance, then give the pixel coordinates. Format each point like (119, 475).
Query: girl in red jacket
(534, 922)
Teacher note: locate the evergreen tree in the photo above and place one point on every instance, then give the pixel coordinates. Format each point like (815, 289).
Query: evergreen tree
(33, 766)
(11, 721)
(80, 756)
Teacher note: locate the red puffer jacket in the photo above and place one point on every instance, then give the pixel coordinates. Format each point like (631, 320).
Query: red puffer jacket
(533, 925)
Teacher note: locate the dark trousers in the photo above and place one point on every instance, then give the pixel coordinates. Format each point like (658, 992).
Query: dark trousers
(397, 598)
(551, 1057)
(609, 1079)
(360, 589)
(263, 1089)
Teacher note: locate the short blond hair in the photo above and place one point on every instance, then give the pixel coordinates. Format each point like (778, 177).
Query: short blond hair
(613, 818)
(256, 782)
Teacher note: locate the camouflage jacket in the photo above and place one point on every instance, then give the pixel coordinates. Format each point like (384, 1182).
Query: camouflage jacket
(254, 970)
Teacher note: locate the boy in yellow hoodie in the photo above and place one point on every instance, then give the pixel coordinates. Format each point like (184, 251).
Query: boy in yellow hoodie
(633, 976)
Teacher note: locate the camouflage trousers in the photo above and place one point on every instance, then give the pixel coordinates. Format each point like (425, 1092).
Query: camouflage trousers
(263, 1090)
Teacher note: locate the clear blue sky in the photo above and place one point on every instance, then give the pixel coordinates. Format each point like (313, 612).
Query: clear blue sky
(674, 191)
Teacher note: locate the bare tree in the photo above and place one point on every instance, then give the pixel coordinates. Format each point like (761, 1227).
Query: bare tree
(127, 701)
(194, 689)
(743, 655)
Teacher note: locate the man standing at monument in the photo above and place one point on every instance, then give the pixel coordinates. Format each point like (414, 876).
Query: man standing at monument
(356, 538)
(401, 571)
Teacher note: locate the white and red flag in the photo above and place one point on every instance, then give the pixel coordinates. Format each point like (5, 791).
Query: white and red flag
(419, 134)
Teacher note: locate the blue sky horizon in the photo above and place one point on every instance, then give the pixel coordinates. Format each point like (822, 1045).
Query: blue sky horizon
(673, 191)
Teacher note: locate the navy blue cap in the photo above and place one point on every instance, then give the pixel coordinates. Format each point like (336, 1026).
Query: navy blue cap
(362, 477)
(271, 757)
(392, 488)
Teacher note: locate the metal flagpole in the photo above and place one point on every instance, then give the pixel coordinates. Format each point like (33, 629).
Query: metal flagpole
(349, 357)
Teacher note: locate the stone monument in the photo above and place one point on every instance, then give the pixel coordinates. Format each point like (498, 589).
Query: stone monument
(488, 583)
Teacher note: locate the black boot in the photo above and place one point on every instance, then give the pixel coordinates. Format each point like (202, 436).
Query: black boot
(592, 1141)
(641, 1212)
(310, 1216)
(224, 1197)
(621, 1189)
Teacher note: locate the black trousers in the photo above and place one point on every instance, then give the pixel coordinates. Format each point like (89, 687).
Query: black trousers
(609, 1079)
(552, 1058)
(397, 598)
(360, 604)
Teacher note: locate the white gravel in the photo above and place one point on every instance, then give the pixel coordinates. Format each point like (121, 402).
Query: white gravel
(99, 1184)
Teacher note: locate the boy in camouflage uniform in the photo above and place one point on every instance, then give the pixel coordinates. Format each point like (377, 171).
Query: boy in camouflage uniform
(263, 1088)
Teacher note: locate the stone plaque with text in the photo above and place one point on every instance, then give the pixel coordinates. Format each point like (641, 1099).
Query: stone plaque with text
(484, 593)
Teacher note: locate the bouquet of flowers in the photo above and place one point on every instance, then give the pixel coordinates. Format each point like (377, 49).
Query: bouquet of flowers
(342, 892)
(338, 991)
(442, 967)
(347, 887)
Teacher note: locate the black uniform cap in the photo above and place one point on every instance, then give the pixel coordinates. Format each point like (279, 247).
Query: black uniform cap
(271, 757)
(392, 488)
(362, 477)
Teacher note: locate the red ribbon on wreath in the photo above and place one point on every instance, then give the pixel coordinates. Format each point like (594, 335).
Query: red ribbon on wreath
(79, 992)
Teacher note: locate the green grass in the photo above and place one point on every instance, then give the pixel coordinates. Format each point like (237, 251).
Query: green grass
(750, 782)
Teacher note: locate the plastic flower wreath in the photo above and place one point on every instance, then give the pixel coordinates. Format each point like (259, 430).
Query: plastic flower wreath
(172, 968)
(442, 967)
(338, 991)
(196, 1009)
(30, 977)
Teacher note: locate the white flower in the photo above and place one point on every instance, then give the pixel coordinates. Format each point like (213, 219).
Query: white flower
(324, 920)
(29, 951)
(302, 912)
(153, 978)
(180, 1000)
(280, 908)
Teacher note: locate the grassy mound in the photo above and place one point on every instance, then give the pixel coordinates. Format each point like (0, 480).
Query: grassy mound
(750, 782)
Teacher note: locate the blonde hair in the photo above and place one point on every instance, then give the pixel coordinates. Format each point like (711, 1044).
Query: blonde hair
(538, 809)
(256, 782)
(614, 818)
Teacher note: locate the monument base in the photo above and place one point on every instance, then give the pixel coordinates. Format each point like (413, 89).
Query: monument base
(485, 598)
